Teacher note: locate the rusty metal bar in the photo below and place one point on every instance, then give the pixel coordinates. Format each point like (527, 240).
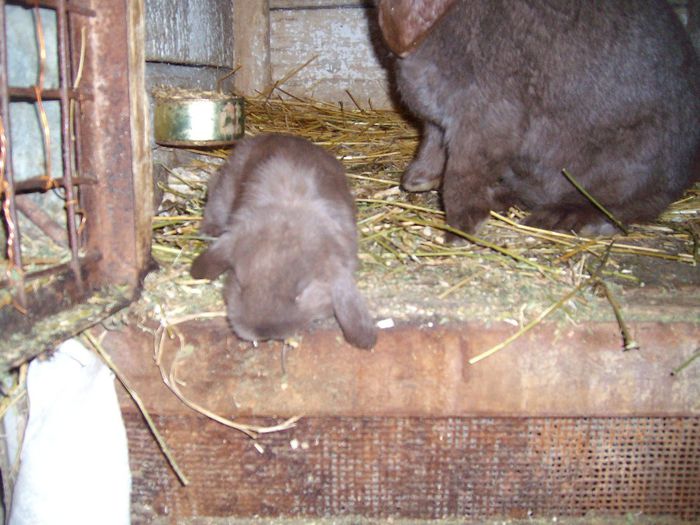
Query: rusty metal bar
(90, 257)
(9, 176)
(78, 66)
(42, 220)
(66, 142)
(53, 4)
(39, 184)
(22, 93)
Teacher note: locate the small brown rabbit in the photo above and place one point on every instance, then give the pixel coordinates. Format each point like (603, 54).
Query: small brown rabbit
(513, 92)
(285, 221)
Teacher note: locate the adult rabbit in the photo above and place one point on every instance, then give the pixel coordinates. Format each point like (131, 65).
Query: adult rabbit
(510, 93)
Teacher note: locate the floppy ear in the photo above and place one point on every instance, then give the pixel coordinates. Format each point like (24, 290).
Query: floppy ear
(351, 312)
(405, 23)
(215, 260)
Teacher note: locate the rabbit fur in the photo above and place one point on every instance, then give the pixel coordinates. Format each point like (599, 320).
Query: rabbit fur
(510, 93)
(284, 220)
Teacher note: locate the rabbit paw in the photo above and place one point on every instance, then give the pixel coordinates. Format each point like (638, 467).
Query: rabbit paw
(416, 179)
(587, 222)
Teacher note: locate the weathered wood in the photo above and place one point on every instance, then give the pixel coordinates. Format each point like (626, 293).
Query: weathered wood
(196, 32)
(348, 54)
(305, 4)
(556, 370)
(113, 150)
(142, 163)
(251, 20)
(411, 430)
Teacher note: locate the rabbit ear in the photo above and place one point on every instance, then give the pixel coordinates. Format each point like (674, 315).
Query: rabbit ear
(215, 260)
(352, 313)
(405, 23)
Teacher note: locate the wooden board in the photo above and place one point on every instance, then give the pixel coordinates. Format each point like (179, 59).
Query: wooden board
(305, 4)
(251, 20)
(346, 50)
(417, 371)
(197, 32)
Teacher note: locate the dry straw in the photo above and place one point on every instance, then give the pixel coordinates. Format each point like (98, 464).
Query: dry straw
(400, 231)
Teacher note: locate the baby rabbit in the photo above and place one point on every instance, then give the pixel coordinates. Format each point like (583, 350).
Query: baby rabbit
(285, 221)
(510, 93)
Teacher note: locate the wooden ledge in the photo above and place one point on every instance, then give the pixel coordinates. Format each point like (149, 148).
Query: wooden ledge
(556, 370)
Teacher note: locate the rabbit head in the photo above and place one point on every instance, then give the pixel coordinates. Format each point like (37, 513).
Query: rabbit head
(271, 292)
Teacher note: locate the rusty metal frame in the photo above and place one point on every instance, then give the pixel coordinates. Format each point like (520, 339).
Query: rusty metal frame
(64, 94)
(106, 162)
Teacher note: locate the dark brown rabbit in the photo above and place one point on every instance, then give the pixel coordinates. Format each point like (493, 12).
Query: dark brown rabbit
(513, 92)
(284, 220)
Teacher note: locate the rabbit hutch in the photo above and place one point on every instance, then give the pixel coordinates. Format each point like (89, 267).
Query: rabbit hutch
(524, 375)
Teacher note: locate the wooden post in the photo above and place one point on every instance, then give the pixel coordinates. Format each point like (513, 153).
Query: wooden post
(142, 163)
(115, 144)
(251, 45)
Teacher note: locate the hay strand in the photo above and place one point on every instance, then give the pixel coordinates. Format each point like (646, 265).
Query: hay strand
(546, 313)
(169, 377)
(686, 363)
(594, 201)
(97, 346)
(529, 326)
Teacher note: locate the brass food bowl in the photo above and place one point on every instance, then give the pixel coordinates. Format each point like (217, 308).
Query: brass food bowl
(198, 118)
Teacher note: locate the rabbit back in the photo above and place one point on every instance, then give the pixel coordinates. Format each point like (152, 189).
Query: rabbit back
(514, 92)
(289, 240)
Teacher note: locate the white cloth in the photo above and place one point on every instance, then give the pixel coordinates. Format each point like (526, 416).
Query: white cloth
(74, 462)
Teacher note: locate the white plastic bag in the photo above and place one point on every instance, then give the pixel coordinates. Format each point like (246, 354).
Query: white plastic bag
(74, 465)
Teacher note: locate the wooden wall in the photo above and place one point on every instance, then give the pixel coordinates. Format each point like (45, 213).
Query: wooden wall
(191, 44)
(341, 37)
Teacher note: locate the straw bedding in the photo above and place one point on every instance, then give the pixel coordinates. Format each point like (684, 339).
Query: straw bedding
(508, 273)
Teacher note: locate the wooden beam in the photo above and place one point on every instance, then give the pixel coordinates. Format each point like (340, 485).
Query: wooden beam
(141, 161)
(113, 130)
(251, 45)
(419, 372)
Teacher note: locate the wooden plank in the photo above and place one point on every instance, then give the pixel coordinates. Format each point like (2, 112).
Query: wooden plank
(196, 32)
(117, 205)
(347, 49)
(556, 370)
(251, 19)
